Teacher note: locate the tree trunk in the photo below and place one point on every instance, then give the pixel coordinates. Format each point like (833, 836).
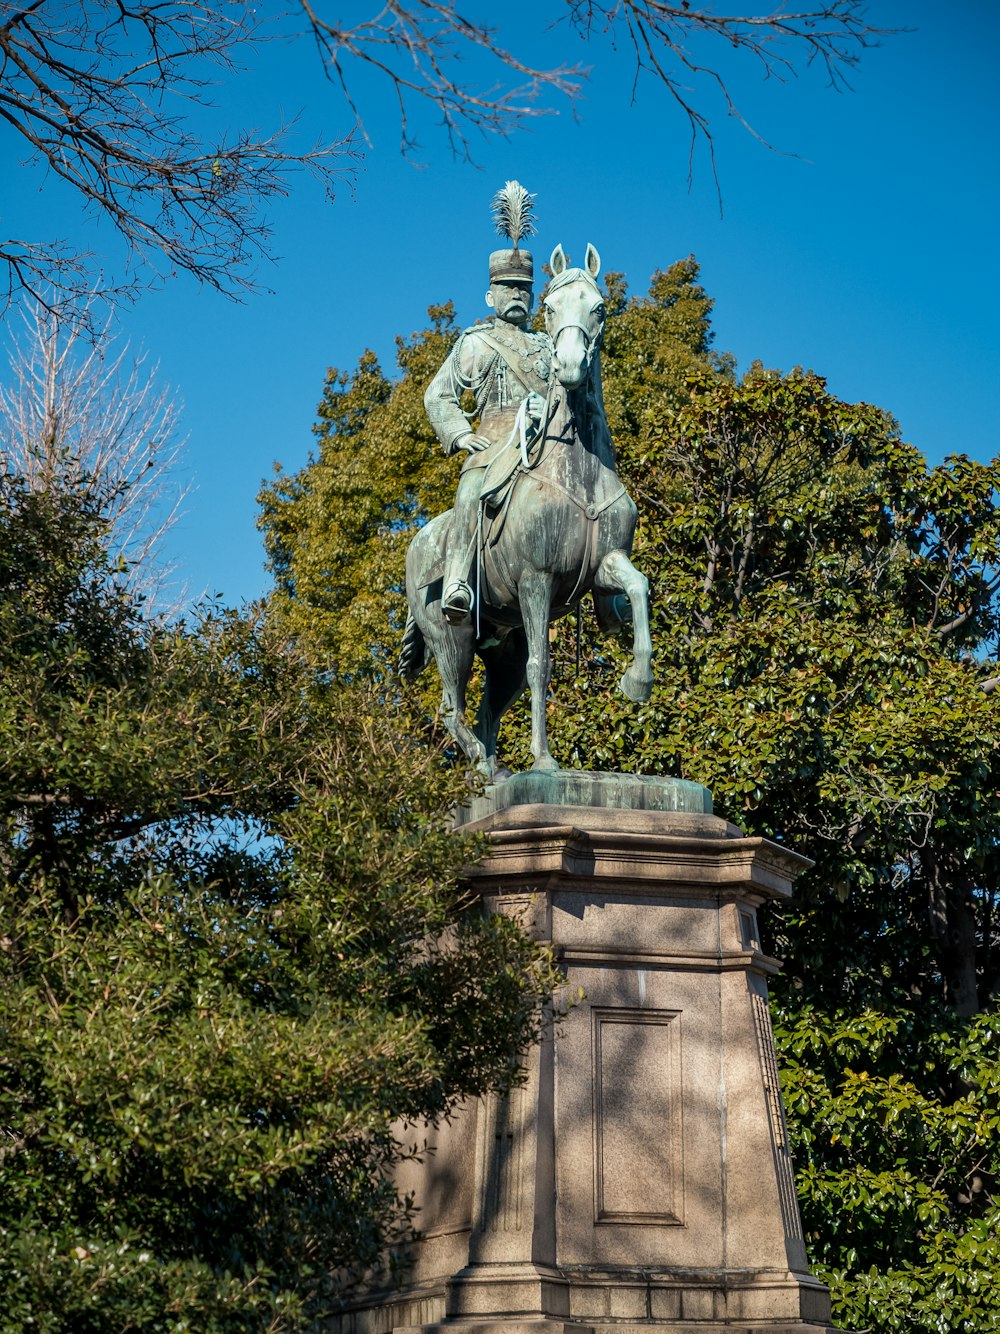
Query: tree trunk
(953, 923)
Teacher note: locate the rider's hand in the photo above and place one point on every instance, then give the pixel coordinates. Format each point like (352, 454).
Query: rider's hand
(474, 444)
(535, 407)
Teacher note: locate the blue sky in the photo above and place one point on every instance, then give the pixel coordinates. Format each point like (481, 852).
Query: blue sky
(866, 250)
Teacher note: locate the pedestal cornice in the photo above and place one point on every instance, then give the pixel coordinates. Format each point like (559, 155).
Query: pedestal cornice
(663, 855)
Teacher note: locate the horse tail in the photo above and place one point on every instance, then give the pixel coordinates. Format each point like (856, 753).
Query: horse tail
(414, 655)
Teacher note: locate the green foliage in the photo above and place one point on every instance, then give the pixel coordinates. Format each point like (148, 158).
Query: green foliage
(895, 1120)
(824, 609)
(336, 533)
(234, 954)
(651, 344)
(825, 627)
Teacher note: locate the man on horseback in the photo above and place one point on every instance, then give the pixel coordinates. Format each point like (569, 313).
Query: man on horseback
(506, 366)
(563, 528)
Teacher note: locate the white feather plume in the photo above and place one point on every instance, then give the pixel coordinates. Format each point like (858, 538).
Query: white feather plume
(512, 212)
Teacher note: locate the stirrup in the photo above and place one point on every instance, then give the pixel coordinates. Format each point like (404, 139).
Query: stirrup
(457, 602)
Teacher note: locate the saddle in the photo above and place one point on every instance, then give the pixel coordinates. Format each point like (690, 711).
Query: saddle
(498, 486)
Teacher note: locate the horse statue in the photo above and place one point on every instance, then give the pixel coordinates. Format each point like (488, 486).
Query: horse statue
(555, 523)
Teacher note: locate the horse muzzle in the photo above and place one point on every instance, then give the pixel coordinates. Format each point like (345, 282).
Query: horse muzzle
(572, 348)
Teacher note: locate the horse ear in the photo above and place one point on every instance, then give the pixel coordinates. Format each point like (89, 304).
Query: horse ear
(593, 261)
(558, 261)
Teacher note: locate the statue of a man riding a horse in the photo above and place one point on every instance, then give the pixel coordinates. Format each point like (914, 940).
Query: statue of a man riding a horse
(540, 517)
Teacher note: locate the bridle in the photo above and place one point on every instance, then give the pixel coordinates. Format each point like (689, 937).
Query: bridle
(592, 342)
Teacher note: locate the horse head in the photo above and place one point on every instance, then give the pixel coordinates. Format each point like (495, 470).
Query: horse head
(574, 316)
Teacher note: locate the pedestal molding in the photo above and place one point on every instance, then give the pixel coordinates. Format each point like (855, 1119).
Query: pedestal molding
(695, 960)
(639, 1181)
(567, 852)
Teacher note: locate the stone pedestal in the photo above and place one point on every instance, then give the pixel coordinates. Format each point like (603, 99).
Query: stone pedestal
(640, 1178)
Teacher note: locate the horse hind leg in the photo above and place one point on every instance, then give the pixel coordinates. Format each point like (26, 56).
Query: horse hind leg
(454, 653)
(616, 573)
(505, 682)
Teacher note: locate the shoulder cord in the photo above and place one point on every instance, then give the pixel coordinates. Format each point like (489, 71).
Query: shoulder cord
(459, 384)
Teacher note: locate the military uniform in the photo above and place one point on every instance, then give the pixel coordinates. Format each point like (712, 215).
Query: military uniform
(502, 363)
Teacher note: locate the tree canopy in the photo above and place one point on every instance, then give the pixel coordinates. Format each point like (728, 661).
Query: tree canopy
(826, 617)
(235, 955)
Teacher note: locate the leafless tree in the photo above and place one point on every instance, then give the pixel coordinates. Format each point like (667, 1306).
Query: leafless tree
(675, 44)
(419, 47)
(107, 97)
(84, 414)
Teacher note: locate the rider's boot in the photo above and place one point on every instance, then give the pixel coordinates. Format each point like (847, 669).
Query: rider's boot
(458, 598)
(457, 601)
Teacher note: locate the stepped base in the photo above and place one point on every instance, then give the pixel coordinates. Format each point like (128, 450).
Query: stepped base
(611, 794)
(519, 1326)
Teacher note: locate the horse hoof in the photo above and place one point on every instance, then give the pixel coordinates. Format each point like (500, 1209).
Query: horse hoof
(545, 764)
(637, 686)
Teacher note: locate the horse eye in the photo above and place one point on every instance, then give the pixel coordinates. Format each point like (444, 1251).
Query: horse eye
(598, 311)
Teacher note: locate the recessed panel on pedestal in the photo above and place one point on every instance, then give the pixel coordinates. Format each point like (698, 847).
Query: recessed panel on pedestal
(638, 1159)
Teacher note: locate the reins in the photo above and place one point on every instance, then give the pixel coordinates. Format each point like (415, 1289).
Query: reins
(519, 437)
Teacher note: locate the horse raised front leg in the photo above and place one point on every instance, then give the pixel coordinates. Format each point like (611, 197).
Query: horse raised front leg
(535, 597)
(616, 572)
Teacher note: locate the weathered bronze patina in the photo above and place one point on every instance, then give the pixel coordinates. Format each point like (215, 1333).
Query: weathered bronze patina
(544, 521)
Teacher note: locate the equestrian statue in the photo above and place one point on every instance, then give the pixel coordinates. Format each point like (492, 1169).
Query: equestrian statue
(541, 517)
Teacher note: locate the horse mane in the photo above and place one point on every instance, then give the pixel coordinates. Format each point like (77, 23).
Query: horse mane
(570, 275)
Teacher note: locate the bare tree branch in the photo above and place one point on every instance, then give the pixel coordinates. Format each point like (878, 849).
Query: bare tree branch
(419, 48)
(106, 97)
(92, 91)
(663, 36)
(76, 412)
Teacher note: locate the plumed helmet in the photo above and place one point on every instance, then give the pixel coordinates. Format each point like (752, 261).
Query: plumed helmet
(512, 213)
(508, 266)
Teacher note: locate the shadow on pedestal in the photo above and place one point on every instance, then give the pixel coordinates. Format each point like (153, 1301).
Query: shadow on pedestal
(640, 1178)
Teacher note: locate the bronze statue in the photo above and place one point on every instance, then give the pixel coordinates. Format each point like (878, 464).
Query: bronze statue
(504, 364)
(550, 522)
